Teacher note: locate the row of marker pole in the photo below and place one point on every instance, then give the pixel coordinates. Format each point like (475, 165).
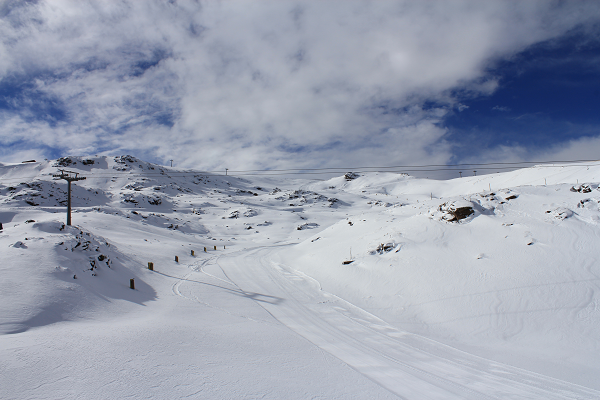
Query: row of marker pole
(151, 265)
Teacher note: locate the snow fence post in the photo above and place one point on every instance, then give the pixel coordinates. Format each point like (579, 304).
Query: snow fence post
(215, 247)
(150, 266)
(192, 252)
(176, 259)
(205, 249)
(131, 284)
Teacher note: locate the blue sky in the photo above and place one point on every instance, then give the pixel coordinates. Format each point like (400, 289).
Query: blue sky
(547, 94)
(300, 84)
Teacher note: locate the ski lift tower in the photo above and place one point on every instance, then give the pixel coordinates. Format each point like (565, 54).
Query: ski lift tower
(69, 176)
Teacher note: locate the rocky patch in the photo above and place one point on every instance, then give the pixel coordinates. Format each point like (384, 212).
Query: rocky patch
(383, 248)
(583, 188)
(560, 213)
(308, 225)
(350, 176)
(453, 211)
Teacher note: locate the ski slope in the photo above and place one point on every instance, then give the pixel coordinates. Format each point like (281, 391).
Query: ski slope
(408, 365)
(355, 287)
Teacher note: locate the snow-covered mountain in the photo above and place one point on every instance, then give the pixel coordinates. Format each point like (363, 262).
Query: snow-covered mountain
(375, 285)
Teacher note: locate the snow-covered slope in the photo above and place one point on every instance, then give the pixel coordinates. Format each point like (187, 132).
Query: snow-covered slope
(479, 287)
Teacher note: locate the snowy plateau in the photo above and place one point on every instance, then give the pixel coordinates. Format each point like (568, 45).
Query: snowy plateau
(363, 286)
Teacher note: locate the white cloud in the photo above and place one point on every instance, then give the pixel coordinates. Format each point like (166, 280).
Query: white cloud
(22, 155)
(254, 84)
(583, 148)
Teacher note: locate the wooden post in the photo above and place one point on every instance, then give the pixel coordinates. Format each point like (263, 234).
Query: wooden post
(131, 284)
(192, 251)
(176, 259)
(205, 249)
(150, 266)
(223, 247)
(215, 247)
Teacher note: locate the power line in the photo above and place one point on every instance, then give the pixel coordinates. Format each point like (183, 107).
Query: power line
(325, 171)
(391, 171)
(408, 166)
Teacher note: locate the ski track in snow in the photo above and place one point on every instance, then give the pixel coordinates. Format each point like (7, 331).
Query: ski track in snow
(193, 291)
(408, 365)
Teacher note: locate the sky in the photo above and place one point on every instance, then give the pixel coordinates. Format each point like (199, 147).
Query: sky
(278, 84)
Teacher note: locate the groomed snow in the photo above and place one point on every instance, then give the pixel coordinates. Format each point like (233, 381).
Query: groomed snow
(383, 286)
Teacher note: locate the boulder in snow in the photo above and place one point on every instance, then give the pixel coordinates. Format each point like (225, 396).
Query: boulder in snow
(350, 176)
(584, 188)
(455, 211)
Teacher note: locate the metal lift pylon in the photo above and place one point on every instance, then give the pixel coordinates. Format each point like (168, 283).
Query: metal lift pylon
(69, 176)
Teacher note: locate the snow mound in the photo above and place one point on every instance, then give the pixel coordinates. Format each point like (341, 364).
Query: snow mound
(62, 271)
(560, 213)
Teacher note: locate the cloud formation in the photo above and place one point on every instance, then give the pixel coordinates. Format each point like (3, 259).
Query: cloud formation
(256, 84)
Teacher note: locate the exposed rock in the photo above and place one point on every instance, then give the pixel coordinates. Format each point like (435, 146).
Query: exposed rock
(455, 211)
(65, 162)
(308, 225)
(560, 213)
(384, 248)
(584, 188)
(349, 176)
